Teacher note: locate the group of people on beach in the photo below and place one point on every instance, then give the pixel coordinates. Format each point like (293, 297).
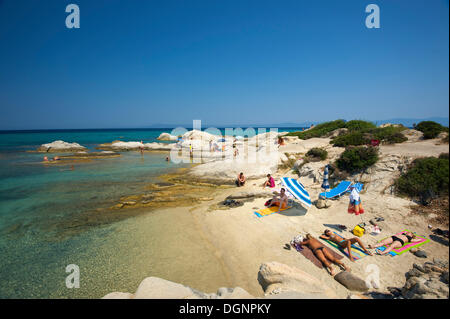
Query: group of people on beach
(326, 258)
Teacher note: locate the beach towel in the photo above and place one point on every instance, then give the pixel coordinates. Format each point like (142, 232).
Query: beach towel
(308, 254)
(406, 246)
(269, 210)
(357, 252)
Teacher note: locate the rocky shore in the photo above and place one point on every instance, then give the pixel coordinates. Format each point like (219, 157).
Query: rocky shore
(205, 188)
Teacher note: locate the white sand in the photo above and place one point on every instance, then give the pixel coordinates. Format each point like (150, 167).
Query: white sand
(243, 241)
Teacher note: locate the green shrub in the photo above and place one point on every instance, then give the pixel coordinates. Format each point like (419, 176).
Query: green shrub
(389, 135)
(319, 130)
(395, 138)
(317, 153)
(386, 133)
(358, 125)
(357, 158)
(354, 138)
(443, 156)
(430, 129)
(425, 176)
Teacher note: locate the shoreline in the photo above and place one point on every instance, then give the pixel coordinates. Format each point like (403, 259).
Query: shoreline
(244, 242)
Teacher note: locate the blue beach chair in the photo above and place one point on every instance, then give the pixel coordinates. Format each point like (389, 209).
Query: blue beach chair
(336, 192)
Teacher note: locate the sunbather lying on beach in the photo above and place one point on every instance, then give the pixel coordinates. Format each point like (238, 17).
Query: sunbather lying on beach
(322, 254)
(395, 242)
(280, 200)
(344, 243)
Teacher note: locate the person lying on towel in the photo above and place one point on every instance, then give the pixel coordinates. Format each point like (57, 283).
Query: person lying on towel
(322, 254)
(395, 242)
(344, 243)
(280, 200)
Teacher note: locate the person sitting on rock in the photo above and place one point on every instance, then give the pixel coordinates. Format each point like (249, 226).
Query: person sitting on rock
(280, 200)
(395, 242)
(344, 243)
(240, 180)
(270, 182)
(322, 254)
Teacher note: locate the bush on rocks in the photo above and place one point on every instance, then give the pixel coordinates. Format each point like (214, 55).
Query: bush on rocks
(317, 153)
(354, 138)
(425, 179)
(319, 130)
(430, 129)
(355, 159)
(358, 125)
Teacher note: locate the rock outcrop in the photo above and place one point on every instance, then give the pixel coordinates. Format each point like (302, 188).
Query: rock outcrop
(157, 288)
(279, 279)
(337, 132)
(350, 281)
(381, 176)
(120, 146)
(166, 137)
(413, 135)
(60, 146)
(427, 281)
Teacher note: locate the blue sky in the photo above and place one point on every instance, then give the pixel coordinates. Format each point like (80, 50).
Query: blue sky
(137, 63)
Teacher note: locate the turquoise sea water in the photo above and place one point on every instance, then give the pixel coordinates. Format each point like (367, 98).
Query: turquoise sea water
(44, 225)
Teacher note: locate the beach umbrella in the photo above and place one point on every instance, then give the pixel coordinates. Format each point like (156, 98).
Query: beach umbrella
(325, 184)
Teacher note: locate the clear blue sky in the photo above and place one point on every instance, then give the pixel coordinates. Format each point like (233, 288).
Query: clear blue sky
(137, 63)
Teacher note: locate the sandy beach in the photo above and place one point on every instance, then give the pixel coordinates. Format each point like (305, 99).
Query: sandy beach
(241, 241)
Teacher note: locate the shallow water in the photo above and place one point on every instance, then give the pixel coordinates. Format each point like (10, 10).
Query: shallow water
(44, 226)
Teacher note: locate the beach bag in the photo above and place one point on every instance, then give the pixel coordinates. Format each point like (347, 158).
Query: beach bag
(268, 202)
(358, 230)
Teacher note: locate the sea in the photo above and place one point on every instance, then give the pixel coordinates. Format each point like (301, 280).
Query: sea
(44, 244)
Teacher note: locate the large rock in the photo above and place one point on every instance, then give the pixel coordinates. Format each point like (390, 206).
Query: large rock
(311, 172)
(381, 176)
(276, 278)
(167, 137)
(413, 135)
(389, 125)
(323, 203)
(427, 281)
(337, 132)
(226, 171)
(157, 288)
(350, 281)
(61, 146)
(136, 146)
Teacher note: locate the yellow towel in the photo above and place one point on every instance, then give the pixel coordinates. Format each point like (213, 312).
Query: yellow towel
(269, 210)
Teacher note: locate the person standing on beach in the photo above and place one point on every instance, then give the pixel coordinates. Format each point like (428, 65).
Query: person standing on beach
(141, 148)
(355, 201)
